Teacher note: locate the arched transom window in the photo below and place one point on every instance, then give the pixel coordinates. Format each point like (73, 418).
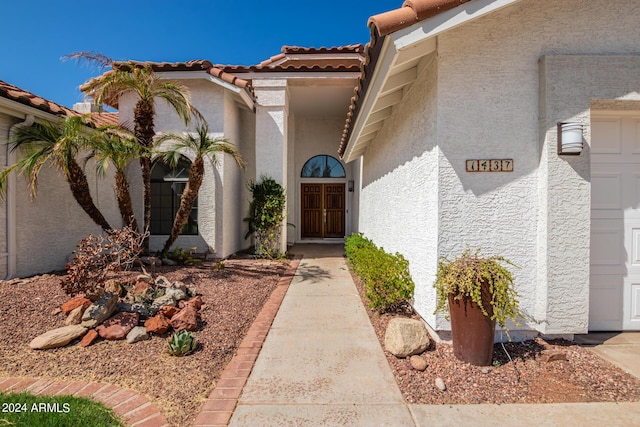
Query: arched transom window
(323, 166)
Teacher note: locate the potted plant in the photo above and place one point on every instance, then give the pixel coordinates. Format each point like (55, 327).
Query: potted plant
(479, 292)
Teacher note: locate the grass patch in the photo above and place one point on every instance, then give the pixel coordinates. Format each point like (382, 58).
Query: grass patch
(24, 409)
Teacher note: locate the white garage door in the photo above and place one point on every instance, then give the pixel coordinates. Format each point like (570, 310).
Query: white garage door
(615, 222)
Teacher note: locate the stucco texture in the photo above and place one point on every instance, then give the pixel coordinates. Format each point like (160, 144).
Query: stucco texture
(481, 99)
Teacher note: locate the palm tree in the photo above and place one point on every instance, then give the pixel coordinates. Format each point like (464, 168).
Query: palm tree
(140, 79)
(57, 144)
(202, 146)
(117, 146)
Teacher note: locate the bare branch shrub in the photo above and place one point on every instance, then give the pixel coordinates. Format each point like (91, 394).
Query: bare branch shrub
(96, 257)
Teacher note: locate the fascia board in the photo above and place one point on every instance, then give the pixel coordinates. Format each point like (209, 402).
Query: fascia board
(18, 110)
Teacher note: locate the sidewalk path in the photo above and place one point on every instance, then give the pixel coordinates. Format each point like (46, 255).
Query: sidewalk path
(321, 363)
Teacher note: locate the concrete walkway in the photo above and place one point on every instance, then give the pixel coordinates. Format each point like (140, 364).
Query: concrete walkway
(322, 365)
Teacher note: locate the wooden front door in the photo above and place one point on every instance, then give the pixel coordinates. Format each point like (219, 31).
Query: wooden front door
(323, 210)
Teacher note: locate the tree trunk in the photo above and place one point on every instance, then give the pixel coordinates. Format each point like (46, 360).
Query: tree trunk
(196, 174)
(80, 189)
(124, 201)
(144, 130)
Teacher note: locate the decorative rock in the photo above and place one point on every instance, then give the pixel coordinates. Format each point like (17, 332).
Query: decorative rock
(553, 356)
(70, 305)
(169, 311)
(163, 282)
(57, 337)
(139, 333)
(145, 278)
(418, 363)
(142, 288)
(100, 310)
(406, 337)
(176, 294)
(179, 285)
(75, 317)
(89, 339)
(114, 287)
(56, 311)
(485, 370)
(187, 319)
(134, 308)
(196, 302)
(161, 302)
(118, 326)
(167, 261)
(440, 384)
(191, 290)
(157, 324)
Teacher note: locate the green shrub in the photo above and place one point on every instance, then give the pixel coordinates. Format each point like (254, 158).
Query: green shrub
(266, 215)
(386, 276)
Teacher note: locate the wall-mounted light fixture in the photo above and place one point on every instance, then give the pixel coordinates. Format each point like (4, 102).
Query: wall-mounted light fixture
(570, 138)
(350, 187)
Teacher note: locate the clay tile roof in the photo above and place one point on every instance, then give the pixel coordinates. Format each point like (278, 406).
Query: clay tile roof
(25, 97)
(381, 25)
(103, 118)
(412, 11)
(296, 58)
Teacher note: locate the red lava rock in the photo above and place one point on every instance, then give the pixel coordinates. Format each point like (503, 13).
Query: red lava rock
(157, 324)
(169, 311)
(195, 302)
(182, 304)
(73, 303)
(141, 287)
(187, 319)
(118, 326)
(89, 338)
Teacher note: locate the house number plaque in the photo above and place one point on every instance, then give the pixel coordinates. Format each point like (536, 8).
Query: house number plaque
(490, 165)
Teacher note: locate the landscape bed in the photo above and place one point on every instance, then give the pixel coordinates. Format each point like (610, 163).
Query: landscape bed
(233, 296)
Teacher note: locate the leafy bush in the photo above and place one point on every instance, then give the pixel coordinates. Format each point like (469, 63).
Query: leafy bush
(96, 257)
(386, 276)
(266, 214)
(182, 256)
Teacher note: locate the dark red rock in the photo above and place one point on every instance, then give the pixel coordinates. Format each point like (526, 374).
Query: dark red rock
(73, 303)
(169, 311)
(195, 302)
(187, 319)
(141, 288)
(157, 324)
(118, 326)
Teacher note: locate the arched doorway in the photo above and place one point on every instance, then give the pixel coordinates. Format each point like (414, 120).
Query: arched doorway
(323, 203)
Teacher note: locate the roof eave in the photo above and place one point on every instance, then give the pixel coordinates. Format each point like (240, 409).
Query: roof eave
(400, 47)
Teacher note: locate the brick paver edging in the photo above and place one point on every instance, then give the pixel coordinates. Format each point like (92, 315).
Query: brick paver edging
(222, 401)
(135, 409)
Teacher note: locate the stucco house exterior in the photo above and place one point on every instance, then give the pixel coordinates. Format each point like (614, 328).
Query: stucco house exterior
(512, 126)
(455, 126)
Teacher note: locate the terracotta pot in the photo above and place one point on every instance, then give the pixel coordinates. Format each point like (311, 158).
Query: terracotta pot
(471, 330)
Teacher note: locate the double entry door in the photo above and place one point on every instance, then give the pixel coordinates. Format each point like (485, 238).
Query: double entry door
(323, 210)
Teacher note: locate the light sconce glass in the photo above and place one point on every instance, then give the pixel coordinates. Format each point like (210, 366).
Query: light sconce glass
(570, 138)
(351, 183)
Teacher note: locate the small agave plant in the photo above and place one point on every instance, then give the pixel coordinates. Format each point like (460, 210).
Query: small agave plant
(182, 343)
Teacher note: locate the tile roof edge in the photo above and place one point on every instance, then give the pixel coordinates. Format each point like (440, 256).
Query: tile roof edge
(25, 97)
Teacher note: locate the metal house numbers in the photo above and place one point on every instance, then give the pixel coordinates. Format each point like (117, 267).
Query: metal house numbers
(490, 165)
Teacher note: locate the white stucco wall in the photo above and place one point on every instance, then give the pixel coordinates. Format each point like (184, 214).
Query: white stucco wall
(399, 197)
(488, 81)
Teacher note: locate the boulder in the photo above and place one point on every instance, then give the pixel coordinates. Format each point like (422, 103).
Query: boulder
(157, 324)
(118, 326)
(75, 317)
(167, 261)
(141, 309)
(161, 302)
(100, 310)
(57, 337)
(179, 285)
(187, 319)
(176, 294)
(169, 311)
(406, 337)
(139, 333)
(114, 287)
(195, 302)
(163, 282)
(89, 338)
(70, 305)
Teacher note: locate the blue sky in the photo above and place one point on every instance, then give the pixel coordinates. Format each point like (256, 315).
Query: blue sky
(35, 34)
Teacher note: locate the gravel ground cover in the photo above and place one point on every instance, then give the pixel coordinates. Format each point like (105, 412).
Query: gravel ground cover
(522, 376)
(233, 297)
